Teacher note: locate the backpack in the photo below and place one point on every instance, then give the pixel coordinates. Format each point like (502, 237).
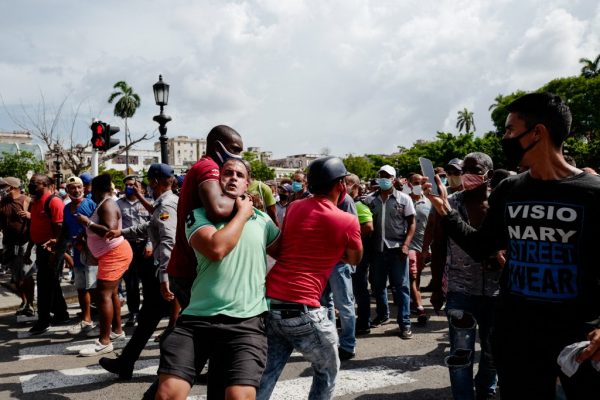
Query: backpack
(47, 206)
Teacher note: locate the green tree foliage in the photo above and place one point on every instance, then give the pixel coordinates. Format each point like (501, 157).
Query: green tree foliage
(125, 108)
(590, 68)
(19, 164)
(115, 176)
(465, 121)
(361, 166)
(260, 170)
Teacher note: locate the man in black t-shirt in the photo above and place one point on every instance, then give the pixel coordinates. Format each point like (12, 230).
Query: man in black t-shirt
(548, 221)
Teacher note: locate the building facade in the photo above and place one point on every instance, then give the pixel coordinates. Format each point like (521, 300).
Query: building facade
(183, 151)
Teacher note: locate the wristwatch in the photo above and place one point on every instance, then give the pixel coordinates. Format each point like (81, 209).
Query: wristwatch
(90, 223)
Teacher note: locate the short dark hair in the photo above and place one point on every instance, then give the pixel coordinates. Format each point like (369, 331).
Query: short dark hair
(481, 159)
(101, 183)
(546, 109)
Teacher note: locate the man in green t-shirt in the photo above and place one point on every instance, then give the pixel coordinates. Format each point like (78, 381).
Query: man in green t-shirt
(224, 320)
(263, 198)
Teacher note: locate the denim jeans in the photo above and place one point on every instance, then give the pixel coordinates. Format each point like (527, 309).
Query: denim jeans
(339, 292)
(466, 313)
(392, 263)
(313, 335)
(360, 288)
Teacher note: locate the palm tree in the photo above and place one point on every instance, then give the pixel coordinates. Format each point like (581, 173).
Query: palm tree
(125, 108)
(590, 68)
(465, 121)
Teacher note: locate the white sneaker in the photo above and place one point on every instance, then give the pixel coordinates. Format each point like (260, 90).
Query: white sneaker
(96, 349)
(117, 337)
(94, 332)
(81, 327)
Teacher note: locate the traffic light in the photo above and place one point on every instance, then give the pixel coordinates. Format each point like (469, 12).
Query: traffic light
(108, 132)
(101, 135)
(98, 135)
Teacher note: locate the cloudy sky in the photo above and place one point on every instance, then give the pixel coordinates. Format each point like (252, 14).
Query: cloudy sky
(291, 76)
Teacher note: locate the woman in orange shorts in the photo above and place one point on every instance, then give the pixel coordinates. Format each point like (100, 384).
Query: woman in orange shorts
(114, 257)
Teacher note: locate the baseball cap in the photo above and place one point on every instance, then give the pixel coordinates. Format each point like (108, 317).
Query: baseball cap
(455, 163)
(287, 187)
(86, 178)
(160, 171)
(12, 181)
(180, 179)
(388, 169)
(73, 180)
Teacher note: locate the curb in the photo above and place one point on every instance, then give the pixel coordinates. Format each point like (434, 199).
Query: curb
(9, 300)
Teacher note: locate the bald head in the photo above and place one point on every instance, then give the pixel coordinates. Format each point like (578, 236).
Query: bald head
(221, 141)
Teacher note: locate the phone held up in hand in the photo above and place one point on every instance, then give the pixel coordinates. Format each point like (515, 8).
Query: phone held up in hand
(427, 170)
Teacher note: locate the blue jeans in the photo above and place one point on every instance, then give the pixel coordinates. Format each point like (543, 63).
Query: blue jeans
(465, 313)
(313, 335)
(360, 288)
(392, 263)
(339, 292)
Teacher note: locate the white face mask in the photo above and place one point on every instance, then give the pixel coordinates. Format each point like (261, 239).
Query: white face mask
(417, 190)
(406, 189)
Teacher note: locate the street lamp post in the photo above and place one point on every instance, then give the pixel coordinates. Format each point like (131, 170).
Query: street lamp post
(161, 97)
(58, 174)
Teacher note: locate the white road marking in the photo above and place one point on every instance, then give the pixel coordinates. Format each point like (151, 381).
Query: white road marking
(79, 376)
(349, 381)
(57, 349)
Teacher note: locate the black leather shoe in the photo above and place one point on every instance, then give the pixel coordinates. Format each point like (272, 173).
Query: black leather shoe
(345, 355)
(60, 319)
(132, 321)
(39, 328)
(115, 366)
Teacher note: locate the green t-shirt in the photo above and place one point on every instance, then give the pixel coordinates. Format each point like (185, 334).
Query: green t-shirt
(364, 212)
(234, 286)
(264, 191)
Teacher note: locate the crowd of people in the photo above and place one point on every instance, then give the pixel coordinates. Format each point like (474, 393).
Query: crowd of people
(247, 271)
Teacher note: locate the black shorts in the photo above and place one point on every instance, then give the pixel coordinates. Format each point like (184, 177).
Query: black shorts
(236, 348)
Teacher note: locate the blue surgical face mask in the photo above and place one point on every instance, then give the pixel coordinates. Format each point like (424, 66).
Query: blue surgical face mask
(384, 183)
(129, 191)
(223, 154)
(444, 180)
(296, 186)
(62, 192)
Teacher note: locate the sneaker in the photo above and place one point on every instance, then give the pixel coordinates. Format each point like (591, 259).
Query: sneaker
(345, 355)
(117, 337)
(96, 349)
(28, 311)
(379, 321)
(115, 366)
(81, 327)
(362, 331)
(422, 317)
(94, 332)
(59, 319)
(406, 333)
(132, 321)
(21, 308)
(39, 328)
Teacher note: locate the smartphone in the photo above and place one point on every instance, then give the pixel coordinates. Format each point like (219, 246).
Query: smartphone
(427, 170)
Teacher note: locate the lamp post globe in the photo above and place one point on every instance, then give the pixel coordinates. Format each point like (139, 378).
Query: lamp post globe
(161, 97)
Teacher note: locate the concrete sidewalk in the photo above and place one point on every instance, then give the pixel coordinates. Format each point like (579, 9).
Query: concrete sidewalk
(9, 301)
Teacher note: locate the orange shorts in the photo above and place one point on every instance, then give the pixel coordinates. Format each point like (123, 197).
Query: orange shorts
(112, 265)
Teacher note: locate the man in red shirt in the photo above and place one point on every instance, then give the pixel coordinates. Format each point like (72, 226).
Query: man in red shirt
(315, 236)
(46, 223)
(200, 189)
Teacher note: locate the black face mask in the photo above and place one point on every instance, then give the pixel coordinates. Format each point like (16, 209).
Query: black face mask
(32, 190)
(283, 197)
(513, 151)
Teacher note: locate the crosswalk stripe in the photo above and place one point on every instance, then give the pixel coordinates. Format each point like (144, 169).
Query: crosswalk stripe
(349, 381)
(79, 376)
(57, 349)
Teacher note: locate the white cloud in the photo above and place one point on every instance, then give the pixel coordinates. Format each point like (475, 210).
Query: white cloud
(295, 76)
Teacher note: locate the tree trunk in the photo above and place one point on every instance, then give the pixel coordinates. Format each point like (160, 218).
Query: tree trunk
(126, 149)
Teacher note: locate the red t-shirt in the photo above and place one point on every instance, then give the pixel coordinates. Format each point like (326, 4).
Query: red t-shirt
(40, 229)
(314, 236)
(183, 259)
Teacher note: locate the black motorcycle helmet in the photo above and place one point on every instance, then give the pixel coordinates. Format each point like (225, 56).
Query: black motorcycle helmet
(323, 172)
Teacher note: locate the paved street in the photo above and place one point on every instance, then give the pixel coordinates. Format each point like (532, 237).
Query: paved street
(386, 367)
